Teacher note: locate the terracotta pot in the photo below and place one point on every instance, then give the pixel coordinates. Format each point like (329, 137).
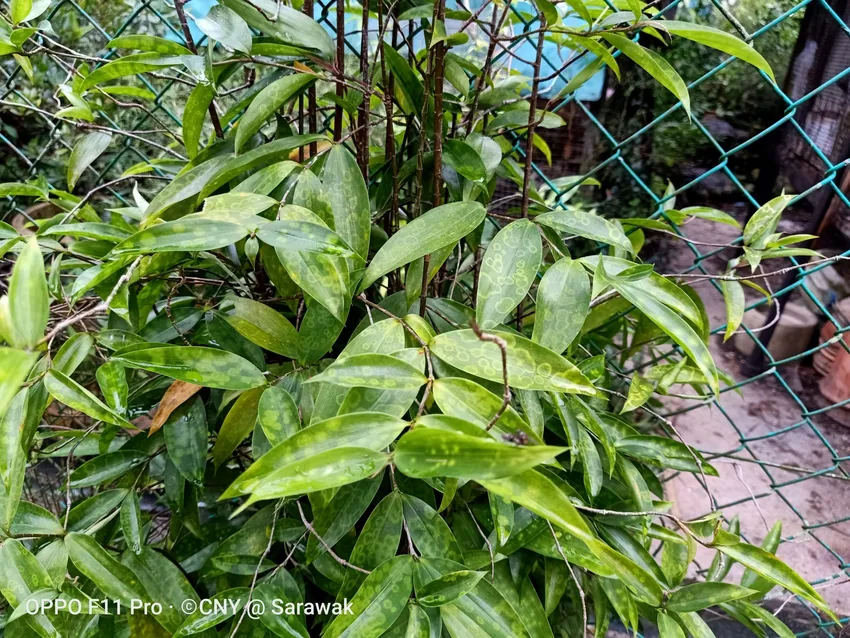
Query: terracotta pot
(835, 386)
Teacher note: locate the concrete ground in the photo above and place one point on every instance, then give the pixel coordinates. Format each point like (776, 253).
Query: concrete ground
(760, 495)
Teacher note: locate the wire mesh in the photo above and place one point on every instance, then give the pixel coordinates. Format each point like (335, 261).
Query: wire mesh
(782, 453)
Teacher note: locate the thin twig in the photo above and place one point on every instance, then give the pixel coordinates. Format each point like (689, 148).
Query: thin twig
(327, 547)
(503, 347)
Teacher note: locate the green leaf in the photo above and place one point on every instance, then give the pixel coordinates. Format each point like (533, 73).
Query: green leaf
(325, 470)
(585, 224)
(563, 302)
(112, 380)
(129, 65)
(165, 583)
(639, 392)
(363, 430)
(131, 523)
(517, 118)
(266, 104)
(768, 566)
(238, 424)
(409, 84)
(15, 365)
(530, 366)
(148, 43)
(303, 236)
(111, 577)
(655, 65)
(186, 439)
(481, 613)
(695, 625)
(763, 223)
(21, 575)
(703, 212)
(508, 270)
(676, 557)
(337, 519)
(380, 600)
(87, 513)
(264, 326)
(425, 452)
(720, 40)
(770, 544)
(182, 235)
(672, 324)
(758, 616)
(88, 230)
(19, 10)
(502, 513)
(67, 391)
(593, 474)
(548, 12)
(349, 199)
(581, 78)
(227, 27)
(439, 227)
(733, 296)
(278, 414)
(447, 589)
(202, 366)
(377, 542)
(29, 300)
(185, 185)
(194, 114)
(464, 159)
(230, 602)
(105, 468)
(536, 492)
(34, 519)
(665, 452)
(702, 595)
(372, 371)
(669, 628)
(429, 531)
(322, 277)
(284, 24)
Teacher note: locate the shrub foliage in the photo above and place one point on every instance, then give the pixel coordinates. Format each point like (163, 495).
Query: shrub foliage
(309, 357)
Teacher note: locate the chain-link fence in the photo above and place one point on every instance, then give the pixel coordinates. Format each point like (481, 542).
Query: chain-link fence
(780, 445)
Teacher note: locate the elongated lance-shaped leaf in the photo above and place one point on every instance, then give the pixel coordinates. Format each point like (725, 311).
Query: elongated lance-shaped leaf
(207, 367)
(655, 65)
(563, 302)
(363, 430)
(720, 40)
(676, 327)
(264, 326)
(426, 452)
(507, 272)
(439, 227)
(326, 470)
(29, 300)
(530, 366)
(193, 116)
(372, 371)
(267, 102)
(380, 600)
(192, 235)
(303, 236)
(585, 224)
(72, 394)
(285, 24)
